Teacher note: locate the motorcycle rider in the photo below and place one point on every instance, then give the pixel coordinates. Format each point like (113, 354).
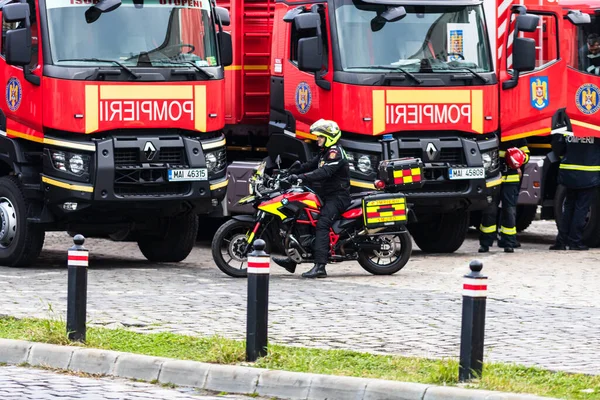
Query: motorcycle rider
(513, 155)
(331, 168)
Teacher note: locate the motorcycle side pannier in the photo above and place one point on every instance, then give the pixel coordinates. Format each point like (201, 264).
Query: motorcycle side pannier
(402, 173)
(384, 210)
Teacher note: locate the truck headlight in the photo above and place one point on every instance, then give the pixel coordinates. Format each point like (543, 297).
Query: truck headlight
(216, 160)
(74, 163)
(211, 162)
(487, 161)
(364, 164)
(490, 160)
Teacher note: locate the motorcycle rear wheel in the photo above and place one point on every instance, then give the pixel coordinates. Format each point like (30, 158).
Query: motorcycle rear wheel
(369, 260)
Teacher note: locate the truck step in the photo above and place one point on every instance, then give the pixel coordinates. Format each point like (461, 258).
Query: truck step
(256, 114)
(257, 94)
(257, 54)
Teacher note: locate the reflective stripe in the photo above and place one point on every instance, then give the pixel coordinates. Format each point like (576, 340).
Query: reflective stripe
(524, 149)
(502, 153)
(488, 229)
(508, 231)
(511, 178)
(575, 167)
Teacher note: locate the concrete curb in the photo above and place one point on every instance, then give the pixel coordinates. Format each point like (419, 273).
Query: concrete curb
(233, 379)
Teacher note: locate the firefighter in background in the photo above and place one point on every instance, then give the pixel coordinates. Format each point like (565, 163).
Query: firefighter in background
(513, 155)
(579, 172)
(331, 168)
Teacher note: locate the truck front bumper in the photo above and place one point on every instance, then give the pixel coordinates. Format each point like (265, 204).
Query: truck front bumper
(126, 173)
(438, 156)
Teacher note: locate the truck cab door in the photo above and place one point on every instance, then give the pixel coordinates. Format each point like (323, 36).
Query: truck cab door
(21, 72)
(307, 70)
(583, 73)
(532, 72)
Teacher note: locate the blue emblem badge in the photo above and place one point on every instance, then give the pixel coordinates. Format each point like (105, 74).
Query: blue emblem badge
(539, 92)
(303, 97)
(13, 94)
(587, 98)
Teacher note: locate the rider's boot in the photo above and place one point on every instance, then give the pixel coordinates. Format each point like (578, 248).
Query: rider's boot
(318, 271)
(287, 263)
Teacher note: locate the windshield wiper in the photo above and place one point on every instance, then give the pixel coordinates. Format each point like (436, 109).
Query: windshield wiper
(393, 68)
(193, 64)
(477, 74)
(136, 76)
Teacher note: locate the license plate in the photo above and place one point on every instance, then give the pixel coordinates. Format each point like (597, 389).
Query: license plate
(192, 174)
(466, 173)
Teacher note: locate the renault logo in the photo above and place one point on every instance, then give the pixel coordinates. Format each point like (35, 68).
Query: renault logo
(149, 151)
(431, 151)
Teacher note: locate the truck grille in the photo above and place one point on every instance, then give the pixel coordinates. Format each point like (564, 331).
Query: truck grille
(167, 155)
(447, 155)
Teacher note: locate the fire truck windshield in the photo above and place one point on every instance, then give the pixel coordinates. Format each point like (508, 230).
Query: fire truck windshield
(426, 38)
(155, 33)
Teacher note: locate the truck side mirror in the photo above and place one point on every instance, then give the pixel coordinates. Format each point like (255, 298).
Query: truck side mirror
(17, 45)
(523, 48)
(226, 48)
(223, 15)
(524, 54)
(307, 21)
(309, 55)
(527, 23)
(576, 17)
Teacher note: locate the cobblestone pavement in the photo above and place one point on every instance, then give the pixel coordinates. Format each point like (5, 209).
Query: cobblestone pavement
(543, 307)
(34, 384)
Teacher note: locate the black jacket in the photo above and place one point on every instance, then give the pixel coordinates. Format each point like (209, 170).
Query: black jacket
(331, 169)
(580, 164)
(510, 175)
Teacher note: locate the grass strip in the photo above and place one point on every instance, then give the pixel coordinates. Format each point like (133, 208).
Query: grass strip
(215, 349)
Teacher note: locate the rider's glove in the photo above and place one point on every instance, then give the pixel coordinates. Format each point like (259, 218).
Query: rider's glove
(293, 178)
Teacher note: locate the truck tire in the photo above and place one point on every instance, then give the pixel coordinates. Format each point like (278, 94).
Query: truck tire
(525, 216)
(443, 235)
(177, 242)
(591, 231)
(20, 241)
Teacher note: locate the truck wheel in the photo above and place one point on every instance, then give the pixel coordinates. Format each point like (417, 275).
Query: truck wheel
(176, 244)
(443, 235)
(591, 231)
(20, 241)
(525, 216)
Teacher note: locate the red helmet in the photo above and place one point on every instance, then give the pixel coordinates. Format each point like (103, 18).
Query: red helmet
(515, 157)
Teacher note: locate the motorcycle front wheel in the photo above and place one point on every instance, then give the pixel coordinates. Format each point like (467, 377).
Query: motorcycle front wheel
(387, 262)
(228, 247)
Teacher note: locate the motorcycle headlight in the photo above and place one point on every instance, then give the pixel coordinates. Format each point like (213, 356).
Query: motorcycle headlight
(74, 163)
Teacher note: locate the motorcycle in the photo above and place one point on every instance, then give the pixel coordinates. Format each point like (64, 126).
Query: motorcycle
(372, 230)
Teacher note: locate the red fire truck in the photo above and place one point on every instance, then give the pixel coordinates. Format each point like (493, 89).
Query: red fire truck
(112, 122)
(540, 187)
(402, 78)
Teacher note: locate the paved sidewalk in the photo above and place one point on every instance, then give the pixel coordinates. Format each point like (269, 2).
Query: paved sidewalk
(33, 384)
